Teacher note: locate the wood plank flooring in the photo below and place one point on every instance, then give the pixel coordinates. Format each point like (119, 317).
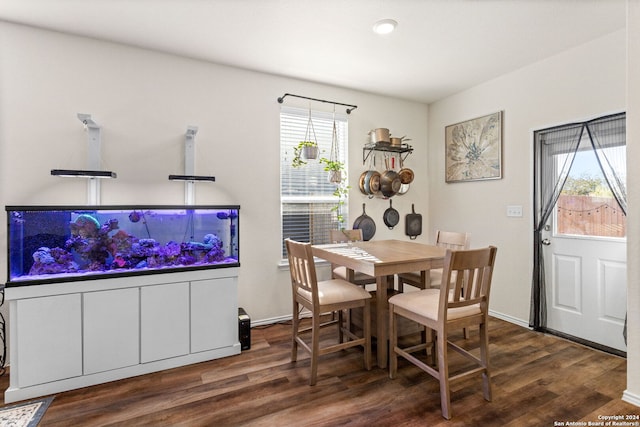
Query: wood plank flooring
(537, 380)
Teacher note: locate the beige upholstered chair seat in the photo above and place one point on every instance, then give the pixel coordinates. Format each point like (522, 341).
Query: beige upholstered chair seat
(336, 291)
(425, 304)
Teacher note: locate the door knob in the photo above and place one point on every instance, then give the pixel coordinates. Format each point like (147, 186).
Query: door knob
(546, 242)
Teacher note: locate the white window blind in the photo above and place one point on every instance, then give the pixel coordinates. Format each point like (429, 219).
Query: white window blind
(307, 200)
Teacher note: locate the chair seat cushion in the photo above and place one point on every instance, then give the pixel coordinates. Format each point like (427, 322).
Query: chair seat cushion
(336, 291)
(358, 276)
(425, 303)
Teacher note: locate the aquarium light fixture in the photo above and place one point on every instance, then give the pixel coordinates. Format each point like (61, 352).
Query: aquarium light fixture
(191, 178)
(75, 173)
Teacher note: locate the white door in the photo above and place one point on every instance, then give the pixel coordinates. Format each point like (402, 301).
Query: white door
(584, 251)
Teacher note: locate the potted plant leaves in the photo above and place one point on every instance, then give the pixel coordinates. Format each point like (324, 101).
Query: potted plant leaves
(335, 168)
(305, 150)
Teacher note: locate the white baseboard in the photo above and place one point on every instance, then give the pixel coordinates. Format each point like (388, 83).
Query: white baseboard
(632, 398)
(510, 319)
(270, 321)
(279, 319)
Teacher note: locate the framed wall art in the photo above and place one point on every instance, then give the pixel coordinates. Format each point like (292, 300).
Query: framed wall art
(473, 149)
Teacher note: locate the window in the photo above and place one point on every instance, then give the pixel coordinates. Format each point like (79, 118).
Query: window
(586, 206)
(308, 204)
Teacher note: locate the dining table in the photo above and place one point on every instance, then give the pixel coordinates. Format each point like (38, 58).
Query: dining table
(382, 259)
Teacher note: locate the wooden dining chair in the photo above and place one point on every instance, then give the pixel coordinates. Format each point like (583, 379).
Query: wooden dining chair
(334, 295)
(341, 272)
(433, 278)
(459, 303)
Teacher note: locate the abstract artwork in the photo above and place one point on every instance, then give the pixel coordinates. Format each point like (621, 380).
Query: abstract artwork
(474, 149)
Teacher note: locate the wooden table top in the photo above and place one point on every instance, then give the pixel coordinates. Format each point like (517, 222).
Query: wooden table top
(382, 257)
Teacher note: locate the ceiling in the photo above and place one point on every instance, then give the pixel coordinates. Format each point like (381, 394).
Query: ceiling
(439, 48)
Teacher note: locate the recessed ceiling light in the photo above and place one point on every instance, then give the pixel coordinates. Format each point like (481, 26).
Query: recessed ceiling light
(384, 26)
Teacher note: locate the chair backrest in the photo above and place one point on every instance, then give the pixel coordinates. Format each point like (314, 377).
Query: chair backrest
(452, 240)
(471, 283)
(340, 236)
(304, 281)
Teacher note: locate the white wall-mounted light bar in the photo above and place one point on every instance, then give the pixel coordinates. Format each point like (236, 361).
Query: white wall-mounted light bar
(189, 167)
(93, 162)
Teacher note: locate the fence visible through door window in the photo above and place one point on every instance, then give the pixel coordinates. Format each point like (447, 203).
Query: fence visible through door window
(586, 206)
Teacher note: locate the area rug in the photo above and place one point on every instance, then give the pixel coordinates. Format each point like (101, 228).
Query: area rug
(26, 414)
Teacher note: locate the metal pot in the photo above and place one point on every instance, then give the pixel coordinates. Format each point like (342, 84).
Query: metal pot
(380, 135)
(413, 224)
(406, 174)
(389, 182)
(397, 142)
(361, 182)
(391, 216)
(365, 223)
(372, 182)
(403, 189)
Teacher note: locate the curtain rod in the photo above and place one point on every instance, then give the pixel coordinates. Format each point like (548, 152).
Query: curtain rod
(349, 110)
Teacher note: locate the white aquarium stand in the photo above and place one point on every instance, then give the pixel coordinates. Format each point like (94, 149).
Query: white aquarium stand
(76, 334)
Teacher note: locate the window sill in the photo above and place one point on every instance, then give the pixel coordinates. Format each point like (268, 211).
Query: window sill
(284, 263)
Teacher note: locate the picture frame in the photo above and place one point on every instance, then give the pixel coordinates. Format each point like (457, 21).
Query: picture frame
(473, 149)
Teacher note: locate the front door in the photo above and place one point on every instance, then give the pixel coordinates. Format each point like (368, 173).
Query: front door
(584, 249)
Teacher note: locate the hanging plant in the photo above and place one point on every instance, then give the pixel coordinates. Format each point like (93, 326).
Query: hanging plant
(306, 149)
(334, 168)
(337, 175)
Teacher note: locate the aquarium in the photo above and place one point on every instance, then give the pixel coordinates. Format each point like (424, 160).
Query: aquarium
(49, 244)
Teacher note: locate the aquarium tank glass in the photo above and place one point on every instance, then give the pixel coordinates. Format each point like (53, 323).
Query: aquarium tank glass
(49, 244)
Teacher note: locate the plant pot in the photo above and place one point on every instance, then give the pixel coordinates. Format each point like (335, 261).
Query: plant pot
(310, 152)
(335, 177)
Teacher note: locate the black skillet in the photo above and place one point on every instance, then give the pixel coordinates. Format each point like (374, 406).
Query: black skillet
(391, 216)
(413, 224)
(366, 224)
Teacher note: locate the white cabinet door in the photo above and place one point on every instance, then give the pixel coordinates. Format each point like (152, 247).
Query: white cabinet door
(214, 314)
(49, 339)
(164, 315)
(111, 329)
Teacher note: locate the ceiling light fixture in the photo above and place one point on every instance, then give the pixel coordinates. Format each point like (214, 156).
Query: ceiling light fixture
(384, 26)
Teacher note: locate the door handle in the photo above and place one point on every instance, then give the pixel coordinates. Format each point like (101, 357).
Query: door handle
(546, 242)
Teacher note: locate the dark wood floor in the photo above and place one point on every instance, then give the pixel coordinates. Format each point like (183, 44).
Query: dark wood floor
(537, 380)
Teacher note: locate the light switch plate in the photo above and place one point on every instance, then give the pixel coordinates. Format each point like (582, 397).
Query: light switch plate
(514, 210)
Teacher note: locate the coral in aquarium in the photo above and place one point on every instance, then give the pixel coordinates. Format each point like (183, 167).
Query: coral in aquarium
(52, 261)
(94, 247)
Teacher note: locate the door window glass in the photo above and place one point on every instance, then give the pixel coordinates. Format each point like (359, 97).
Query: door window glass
(586, 206)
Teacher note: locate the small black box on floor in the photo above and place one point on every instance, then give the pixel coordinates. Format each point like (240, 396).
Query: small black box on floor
(244, 329)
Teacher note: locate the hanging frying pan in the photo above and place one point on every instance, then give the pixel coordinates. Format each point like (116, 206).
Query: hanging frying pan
(413, 224)
(365, 223)
(391, 216)
(361, 183)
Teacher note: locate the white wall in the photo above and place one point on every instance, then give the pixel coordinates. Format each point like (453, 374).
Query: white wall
(144, 101)
(582, 83)
(632, 394)
(586, 82)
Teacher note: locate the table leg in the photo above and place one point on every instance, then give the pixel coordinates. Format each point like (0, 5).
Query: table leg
(382, 322)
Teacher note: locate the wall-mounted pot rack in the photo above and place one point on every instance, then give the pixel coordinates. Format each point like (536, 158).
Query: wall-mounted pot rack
(403, 150)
